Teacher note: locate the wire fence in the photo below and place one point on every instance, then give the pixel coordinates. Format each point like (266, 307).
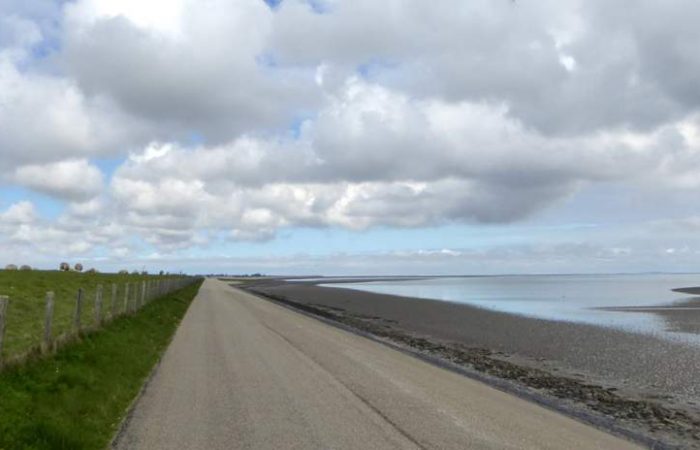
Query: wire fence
(33, 334)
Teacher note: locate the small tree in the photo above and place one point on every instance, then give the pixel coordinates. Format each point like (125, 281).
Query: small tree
(64, 267)
(91, 270)
(10, 267)
(25, 267)
(78, 267)
(123, 272)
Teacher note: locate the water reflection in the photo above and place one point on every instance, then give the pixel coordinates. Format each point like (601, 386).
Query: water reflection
(638, 303)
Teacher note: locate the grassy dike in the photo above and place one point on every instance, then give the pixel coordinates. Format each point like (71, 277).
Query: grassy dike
(77, 398)
(27, 293)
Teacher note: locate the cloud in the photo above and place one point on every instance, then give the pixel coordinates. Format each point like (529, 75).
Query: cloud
(17, 32)
(27, 237)
(19, 214)
(563, 67)
(39, 117)
(230, 121)
(198, 68)
(375, 157)
(46, 119)
(74, 180)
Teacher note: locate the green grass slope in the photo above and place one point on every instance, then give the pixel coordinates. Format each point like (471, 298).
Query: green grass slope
(27, 292)
(77, 398)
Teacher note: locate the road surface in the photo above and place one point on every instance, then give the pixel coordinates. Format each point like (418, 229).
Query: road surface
(244, 373)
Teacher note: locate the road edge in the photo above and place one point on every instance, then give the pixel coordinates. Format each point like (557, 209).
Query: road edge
(126, 420)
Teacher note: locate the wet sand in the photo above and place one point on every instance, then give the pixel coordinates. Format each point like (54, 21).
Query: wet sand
(575, 360)
(681, 317)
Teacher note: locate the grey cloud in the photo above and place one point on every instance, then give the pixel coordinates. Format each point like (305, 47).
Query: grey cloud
(44, 119)
(630, 66)
(665, 36)
(212, 80)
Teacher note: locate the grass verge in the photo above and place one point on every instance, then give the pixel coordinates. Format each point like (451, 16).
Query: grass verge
(77, 398)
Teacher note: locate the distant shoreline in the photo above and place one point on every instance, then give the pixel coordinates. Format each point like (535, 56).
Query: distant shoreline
(688, 290)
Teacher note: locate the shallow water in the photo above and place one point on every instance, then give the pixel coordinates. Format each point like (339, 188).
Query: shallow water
(574, 298)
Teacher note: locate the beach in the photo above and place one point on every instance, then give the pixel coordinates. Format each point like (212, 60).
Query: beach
(642, 383)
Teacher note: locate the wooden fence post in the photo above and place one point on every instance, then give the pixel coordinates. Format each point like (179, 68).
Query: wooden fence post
(126, 298)
(143, 293)
(48, 323)
(114, 301)
(78, 311)
(4, 301)
(98, 305)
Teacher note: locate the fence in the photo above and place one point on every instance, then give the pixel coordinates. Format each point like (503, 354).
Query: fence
(91, 309)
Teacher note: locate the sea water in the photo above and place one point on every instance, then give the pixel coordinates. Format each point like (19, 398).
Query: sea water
(574, 298)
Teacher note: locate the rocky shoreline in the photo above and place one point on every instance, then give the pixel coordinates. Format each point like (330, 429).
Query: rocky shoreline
(654, 423)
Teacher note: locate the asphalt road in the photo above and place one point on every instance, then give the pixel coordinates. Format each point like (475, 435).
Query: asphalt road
(244, 373)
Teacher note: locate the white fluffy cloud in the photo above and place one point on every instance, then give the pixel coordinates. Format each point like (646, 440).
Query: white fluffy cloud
(40, 117)
(19, 214)
(235, 119)
(374, 157)
(44, 118)
(74, 180)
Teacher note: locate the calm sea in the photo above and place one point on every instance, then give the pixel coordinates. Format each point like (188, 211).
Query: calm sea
(574, 298)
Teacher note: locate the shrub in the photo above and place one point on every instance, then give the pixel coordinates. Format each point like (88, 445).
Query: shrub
(64, 267)
(25, 267)
(78, 267)
(10, 267)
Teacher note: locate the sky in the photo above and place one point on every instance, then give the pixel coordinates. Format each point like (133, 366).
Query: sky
(351, 136)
